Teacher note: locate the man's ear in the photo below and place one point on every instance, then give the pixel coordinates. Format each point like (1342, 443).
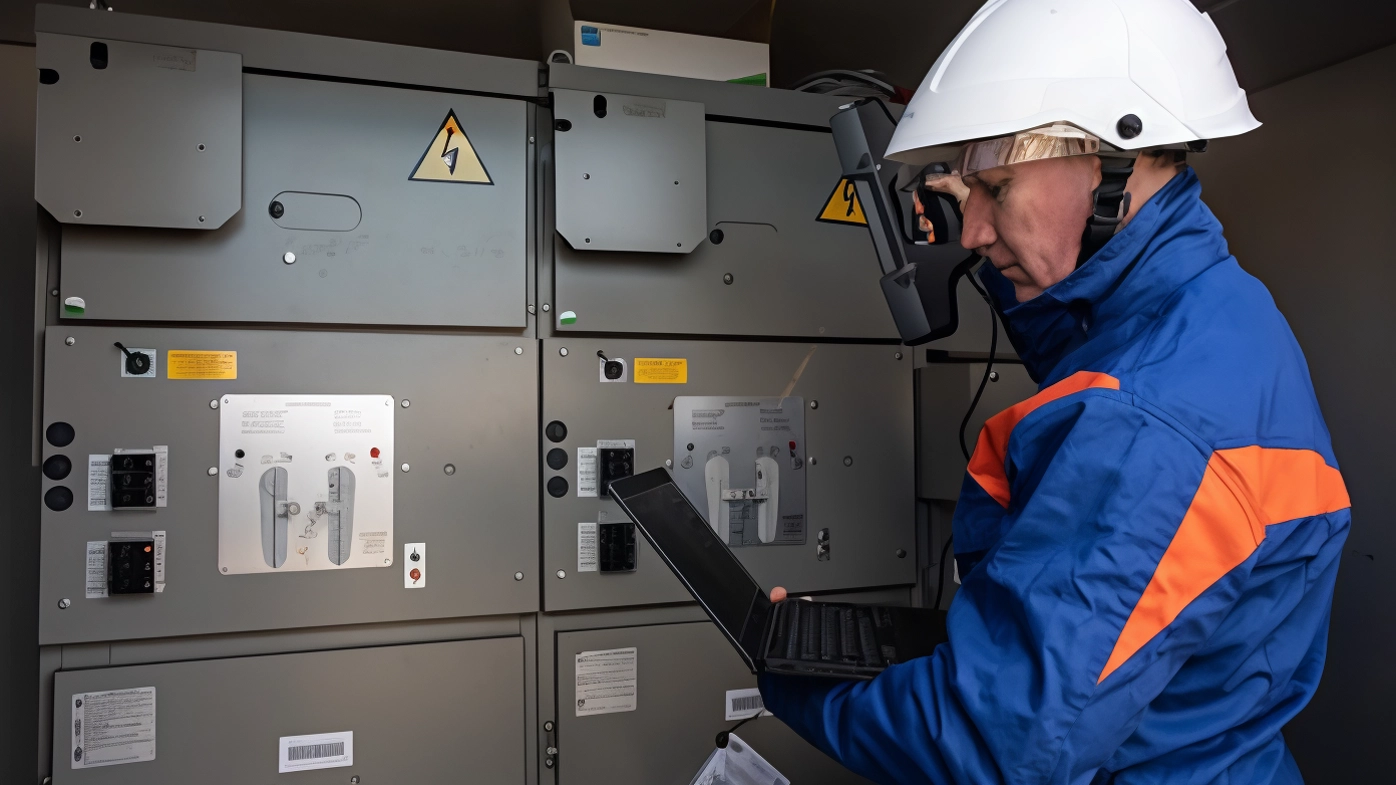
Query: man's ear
(1095, 172)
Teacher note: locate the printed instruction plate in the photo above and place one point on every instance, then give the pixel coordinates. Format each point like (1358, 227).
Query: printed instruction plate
(305, 482)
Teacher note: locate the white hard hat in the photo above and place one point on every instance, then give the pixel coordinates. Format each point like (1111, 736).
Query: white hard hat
(1137, 74)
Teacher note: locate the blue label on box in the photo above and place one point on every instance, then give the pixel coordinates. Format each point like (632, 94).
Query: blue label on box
(590, 36)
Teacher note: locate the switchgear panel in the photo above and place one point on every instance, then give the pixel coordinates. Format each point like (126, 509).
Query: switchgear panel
(288, 469)
(774, 442)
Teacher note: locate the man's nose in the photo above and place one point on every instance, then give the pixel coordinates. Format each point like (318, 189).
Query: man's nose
(978, 230)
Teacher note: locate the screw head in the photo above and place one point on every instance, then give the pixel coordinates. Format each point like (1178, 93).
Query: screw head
(586, 176)
(530, 308)
(562, 351)
(814, 404)
(518, 350)
(518, 576)
(552, 750)
(65, 603)
(213, 404)
(354, 780)
(288, 258)
(669, 463)
(201, 219)
(530, 140)
(70, 340)
(548, 762)
(901, 553)
(848, 460)
(54, 292)
(276, 209)
(727, 279)
(406, 403)
(993, 376)
(546, 308)
(897, 356)
(407, 467)
(213, 471)
(449, 468)
(562, 573)
(813, 461)
(548, 726)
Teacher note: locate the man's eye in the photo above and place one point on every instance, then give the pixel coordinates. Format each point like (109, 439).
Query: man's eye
(996, 191)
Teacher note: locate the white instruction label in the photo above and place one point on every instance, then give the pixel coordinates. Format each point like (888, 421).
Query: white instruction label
(586, 547)
(587, 471)
(742, 704)
(607, 681)
(96, 569)
(159, 538)
(113, 727)
(98, 477)
(320, 751)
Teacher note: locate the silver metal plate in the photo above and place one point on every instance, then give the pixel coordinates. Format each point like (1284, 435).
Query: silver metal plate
(631, 172)
(152, 138)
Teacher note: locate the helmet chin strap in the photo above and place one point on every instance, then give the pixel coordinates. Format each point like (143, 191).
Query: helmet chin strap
(1110, 205)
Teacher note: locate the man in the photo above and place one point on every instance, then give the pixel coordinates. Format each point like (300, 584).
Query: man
(1147, 546)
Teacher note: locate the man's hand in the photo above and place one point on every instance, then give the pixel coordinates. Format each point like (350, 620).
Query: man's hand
(778, 594)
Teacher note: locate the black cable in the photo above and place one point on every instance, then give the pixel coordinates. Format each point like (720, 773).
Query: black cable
(721, 739)
(983, 382)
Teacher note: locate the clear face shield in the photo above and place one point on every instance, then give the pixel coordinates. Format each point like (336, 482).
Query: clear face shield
(1056, 140)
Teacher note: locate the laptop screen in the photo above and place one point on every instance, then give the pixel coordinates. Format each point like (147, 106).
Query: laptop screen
(712, 572)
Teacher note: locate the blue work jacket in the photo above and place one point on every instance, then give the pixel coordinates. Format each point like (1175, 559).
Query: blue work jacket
(1148, 545)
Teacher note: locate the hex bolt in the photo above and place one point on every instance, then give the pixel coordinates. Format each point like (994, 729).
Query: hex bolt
(288, 258)
(518, 576)
(407, 467)
(993, 376)
(728, 279)
(562, 351)
(546, 308)
(449, 468)
(406, 403)
(213, 404)
(518, 350)
(213, 471)
(814, 404)
(562, 573)
(65, 603)
(897, 356)
(548, 726)
(530, 308)
(70, 340)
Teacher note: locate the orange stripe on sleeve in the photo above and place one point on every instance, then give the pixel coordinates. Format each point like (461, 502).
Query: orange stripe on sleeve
(1243, 490)
(986, 465)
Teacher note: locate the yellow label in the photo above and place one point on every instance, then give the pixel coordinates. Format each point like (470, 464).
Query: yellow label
(201, 365)
(450, 158)
(661, 370)
(842, 206)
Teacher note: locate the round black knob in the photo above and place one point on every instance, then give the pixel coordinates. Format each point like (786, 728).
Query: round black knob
(555, 431)
(557, 458)
(56, 467)
(715, 237)
(1130, 126)
(557, 487)
(58, 498)
(59, 434)
(276, 209)
(138, 364)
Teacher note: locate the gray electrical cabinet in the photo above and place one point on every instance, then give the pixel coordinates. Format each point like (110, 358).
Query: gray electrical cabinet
(855, 459)
(681, 683)
(765, 264)
(434, 713)
(461, 466)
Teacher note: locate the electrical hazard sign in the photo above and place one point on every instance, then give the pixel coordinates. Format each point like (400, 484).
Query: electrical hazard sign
(450, 158)
(842, 206)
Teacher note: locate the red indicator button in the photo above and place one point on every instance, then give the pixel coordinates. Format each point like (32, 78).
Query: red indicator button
(373, 453)
(416, 574)
(792, 447)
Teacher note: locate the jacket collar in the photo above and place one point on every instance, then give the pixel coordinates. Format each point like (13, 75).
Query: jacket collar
(1113, 297)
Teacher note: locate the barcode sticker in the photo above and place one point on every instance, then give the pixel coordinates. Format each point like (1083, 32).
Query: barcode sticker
(320, 751)
(745, 703)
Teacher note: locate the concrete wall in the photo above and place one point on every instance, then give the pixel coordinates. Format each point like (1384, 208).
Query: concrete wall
(1307, 201)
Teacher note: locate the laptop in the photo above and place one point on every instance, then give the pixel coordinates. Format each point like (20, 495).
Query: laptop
(792, 636)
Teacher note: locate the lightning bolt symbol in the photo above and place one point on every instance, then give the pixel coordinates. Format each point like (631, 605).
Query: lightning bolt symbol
(449, 154)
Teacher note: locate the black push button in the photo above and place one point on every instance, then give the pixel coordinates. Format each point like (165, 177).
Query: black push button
(58, 498)
(59, 434)
(56, 467)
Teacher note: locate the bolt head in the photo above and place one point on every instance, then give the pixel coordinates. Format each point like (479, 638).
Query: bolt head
(407, 467)
(562, 573)
(546, 307)
(449, 468)
(213, 404)
(562, 351)
(288, 258)
(530, 308)
(898, 355)
(727, 279)
(669, 463)
(406, 403)
(213, 471)
(814, 404)
(848, 460)
(70, 340)
(548, 726)
(993, 376)
(518, 576)
(54, 292)
(65, 603)
(548, 762)
(813, 461)
(901, 553)
(518, 350)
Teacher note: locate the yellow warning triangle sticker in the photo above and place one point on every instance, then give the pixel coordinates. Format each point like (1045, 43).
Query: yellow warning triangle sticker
(842, 206)
(450, 158)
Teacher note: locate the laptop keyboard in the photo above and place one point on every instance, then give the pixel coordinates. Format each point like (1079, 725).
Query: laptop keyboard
(814, 632)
